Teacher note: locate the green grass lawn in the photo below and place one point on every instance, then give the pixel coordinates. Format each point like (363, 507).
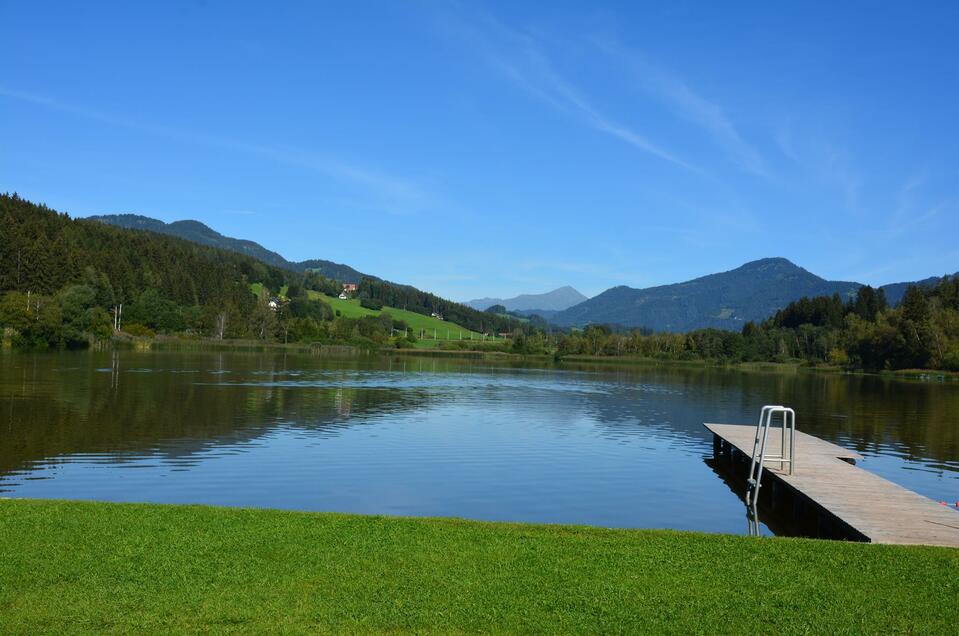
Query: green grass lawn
(90, 567)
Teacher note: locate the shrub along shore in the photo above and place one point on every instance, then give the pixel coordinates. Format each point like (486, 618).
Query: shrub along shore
(94, 567)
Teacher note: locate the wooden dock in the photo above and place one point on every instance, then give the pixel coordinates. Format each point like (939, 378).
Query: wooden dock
(863, 505)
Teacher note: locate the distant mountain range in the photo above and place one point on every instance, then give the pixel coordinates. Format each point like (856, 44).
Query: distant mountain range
(197, 232)
(895, 291)
(726, 300)
(556, 300)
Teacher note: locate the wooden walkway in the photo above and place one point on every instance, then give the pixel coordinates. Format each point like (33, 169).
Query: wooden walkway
(876, 509)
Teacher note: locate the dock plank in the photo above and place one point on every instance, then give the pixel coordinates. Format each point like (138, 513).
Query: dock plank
(880, 510)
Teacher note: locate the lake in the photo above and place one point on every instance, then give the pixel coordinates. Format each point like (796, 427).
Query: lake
(602, 445)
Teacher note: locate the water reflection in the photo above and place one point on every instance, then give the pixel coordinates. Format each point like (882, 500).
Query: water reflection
(609, 446)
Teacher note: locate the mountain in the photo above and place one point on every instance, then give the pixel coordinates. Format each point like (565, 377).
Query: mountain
(895, 291)
(556, 300)
(726, 300)
(197, 232)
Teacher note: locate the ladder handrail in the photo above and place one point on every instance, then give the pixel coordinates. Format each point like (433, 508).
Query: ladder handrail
(762, 417)
(759, 444)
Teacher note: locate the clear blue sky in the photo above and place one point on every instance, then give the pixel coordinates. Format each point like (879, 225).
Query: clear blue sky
(493, 149)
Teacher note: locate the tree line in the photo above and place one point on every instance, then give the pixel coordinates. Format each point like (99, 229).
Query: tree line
(922, 332)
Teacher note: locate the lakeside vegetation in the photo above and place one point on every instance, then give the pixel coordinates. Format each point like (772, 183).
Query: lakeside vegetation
(97, 567)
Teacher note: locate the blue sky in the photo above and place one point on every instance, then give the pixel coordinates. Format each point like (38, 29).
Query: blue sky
(491, 149)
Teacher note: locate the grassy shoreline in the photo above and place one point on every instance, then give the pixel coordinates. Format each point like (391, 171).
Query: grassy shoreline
(94, 567)
(173, 343)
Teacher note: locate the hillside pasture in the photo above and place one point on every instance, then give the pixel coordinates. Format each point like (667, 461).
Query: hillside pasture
(418, 323)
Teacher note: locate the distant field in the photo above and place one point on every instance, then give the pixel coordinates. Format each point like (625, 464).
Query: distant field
(257, 289)
(442, 329)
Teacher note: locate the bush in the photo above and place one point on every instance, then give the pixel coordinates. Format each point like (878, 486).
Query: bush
(371, 303)
(302, 307)
(136, 329)
(838, 357)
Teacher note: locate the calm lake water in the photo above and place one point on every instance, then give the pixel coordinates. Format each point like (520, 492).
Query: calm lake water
(597, 445)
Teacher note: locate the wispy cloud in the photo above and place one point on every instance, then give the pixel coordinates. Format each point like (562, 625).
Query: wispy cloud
(676, 93)
(825, 159)
(522, 59)
(836, 168)
(387, 192)
(913, 210)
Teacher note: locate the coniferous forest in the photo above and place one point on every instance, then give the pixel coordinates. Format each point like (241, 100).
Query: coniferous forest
(61, 280)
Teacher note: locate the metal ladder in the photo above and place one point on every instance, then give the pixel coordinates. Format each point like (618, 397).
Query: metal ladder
(759, 447)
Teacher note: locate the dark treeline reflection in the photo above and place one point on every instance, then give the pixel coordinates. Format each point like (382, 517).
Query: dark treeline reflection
(918, 419)
(170, 404)
(176, 405)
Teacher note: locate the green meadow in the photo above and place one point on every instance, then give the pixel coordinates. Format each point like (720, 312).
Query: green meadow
(441, 329)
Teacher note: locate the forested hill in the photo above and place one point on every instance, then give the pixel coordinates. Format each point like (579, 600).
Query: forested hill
(199, 233)
(922, 332)
(60, 279)
(42, 251)
(77, 270)
(371, 287)
(895, 291)
(727, 300)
